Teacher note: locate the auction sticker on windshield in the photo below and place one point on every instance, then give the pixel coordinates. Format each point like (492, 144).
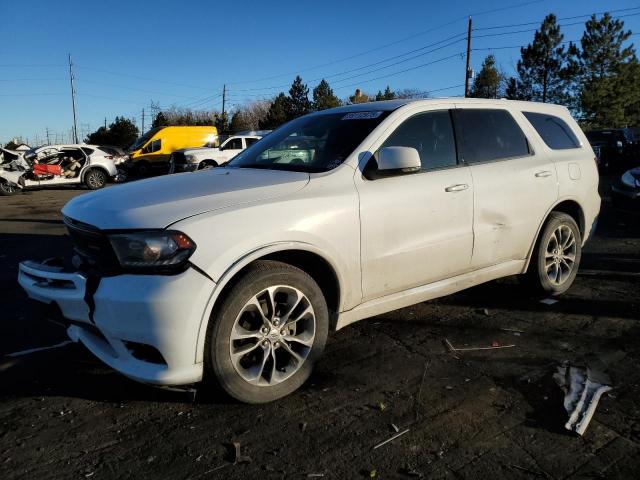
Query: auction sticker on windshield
(361, 115)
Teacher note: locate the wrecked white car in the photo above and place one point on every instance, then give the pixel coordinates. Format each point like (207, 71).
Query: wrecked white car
(56, 165)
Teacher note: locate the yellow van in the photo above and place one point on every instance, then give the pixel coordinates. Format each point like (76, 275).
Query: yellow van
(153, 149)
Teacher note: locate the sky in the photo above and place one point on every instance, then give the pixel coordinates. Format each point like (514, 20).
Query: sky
(128, 54)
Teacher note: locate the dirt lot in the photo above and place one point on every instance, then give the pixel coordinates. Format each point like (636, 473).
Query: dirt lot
(489, 413)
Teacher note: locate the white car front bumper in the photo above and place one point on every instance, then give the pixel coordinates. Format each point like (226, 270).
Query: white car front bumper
(144, 326)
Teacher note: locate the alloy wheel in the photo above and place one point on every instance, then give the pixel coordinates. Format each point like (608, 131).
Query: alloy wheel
(560, 254)
(272, 336)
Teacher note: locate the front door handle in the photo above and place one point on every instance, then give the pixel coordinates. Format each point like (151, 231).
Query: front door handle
(457, 188)
(543, 173)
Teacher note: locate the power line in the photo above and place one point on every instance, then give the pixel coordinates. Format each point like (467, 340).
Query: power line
(424, 32)
(559, 19)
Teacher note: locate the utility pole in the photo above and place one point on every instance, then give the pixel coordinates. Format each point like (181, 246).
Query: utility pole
(224, 96)
(73, 100)
(48, 141)
(142, 132)
(105, 123)
(467, 73)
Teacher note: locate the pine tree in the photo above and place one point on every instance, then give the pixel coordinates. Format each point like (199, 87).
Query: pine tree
(388, 94)
(277, 114)
(239, 122)
(221, 122)
(160, 120)
(542, 69)
(608, 74)
(323, 97)
(298, 103)
(487, 82)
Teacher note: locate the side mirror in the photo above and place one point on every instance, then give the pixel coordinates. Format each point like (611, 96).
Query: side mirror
(406, 159)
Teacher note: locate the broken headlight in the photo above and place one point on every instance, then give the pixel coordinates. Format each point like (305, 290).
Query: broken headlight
(152, 250)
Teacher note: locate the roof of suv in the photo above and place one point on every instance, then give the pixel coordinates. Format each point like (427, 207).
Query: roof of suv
(388, 105)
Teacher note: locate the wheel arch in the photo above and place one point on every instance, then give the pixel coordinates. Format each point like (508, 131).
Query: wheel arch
(304, 256)
(91, 167)
(571, 207)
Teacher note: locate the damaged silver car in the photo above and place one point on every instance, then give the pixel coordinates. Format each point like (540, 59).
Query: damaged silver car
(55, 165)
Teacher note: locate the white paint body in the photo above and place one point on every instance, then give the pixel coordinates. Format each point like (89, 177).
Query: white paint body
(392, 243)
(222, 154)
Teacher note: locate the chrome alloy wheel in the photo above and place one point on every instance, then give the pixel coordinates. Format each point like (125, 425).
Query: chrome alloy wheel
(272, 336)
(560, 255)
(94, 179)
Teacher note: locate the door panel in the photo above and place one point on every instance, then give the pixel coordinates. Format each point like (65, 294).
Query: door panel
(515, 183)
(416, 228)
(414, 232)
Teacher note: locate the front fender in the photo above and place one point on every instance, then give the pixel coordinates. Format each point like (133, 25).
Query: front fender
(241, 263)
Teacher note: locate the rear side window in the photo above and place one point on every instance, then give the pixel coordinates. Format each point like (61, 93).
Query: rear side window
(431, 134)
(486, 135)
(250, 141)
(554, 131)
(86, 150)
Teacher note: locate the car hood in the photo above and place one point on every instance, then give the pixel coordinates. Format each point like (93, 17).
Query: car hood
(159, 202)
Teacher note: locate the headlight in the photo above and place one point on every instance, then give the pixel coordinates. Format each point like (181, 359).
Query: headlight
(154, 249)
(630, 180)
(190, 158)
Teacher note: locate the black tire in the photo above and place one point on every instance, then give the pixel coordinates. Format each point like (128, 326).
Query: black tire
(544, 254)
(206, 164)
(95, 179)
(6, 189)
(143, 168)
(256, 279)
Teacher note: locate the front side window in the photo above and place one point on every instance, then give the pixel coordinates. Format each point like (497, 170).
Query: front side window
(431, 134)
(155, 145)
(314, 143)
(486, 135)
(554, 131)
(233, 144)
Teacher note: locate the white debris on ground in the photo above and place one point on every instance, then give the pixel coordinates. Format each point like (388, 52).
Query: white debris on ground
(583, 387)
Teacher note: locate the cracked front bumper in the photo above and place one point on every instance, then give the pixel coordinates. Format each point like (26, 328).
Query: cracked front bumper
(131, 314)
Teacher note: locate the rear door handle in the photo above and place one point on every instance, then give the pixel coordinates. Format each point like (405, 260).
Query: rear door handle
(543, 173)
(457, 188)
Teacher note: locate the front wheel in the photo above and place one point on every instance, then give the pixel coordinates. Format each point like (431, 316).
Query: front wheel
(95, 179)
(267, 334)
(556, 258)
(8, 189)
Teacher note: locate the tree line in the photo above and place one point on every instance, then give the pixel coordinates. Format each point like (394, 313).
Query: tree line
(597, 79)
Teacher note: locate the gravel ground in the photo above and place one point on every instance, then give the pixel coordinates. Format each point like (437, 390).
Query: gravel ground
(479, 414)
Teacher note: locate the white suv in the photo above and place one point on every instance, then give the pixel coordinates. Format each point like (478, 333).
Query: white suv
(240, 272)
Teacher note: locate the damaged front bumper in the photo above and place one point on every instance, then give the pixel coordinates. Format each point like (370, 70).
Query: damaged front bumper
(144, 326)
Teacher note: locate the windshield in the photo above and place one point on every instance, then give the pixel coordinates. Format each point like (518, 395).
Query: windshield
(143, 139)
(314, 143)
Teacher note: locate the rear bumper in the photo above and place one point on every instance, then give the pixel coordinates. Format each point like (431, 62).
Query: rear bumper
(132, 316)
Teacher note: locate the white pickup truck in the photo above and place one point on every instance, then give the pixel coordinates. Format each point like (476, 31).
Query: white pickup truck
(189, 159)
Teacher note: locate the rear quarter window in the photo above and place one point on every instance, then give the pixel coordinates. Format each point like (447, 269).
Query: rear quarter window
(486, 135)
(553, 130)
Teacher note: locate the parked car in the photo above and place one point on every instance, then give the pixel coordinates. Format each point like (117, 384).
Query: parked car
(190, 159)
(241, 271)
(52, 165)
(153, 149)
(625, 191)
(616, 149)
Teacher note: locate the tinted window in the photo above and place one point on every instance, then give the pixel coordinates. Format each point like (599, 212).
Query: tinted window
(155, 145)
(486, 135)
(553, 130)
(431, 134)
(250, 141)
(86, 150)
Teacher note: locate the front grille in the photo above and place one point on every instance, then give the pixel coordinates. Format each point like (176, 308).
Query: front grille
(92, 245)
(178, 158)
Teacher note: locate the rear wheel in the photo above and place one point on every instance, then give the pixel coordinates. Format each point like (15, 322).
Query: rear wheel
(95, 179)
(8, 189)
(267, 334)
(556, 258)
